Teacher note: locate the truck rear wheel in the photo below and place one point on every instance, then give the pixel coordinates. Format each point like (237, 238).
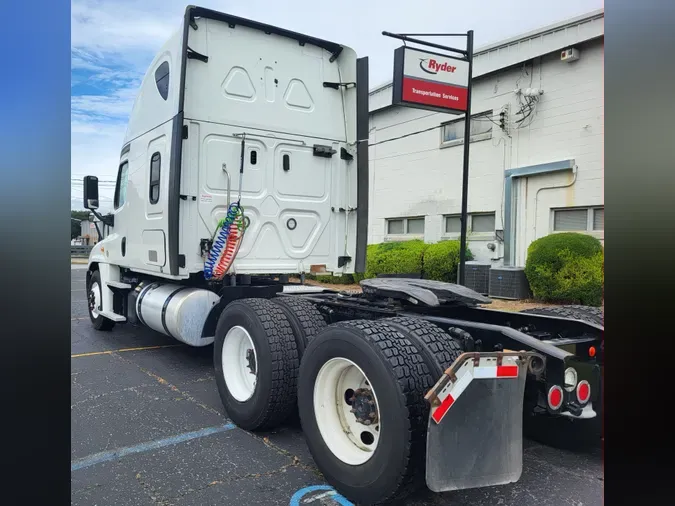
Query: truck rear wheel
(361, 403)
(94, 302)
(584, 313)
(438, 348)
(305, 319)
(256, 363)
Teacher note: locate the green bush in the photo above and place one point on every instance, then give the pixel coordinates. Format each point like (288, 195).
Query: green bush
(441, 261)
(343, 279)
(433, 261)
(566, 267)
(404, 257)
(358, 277)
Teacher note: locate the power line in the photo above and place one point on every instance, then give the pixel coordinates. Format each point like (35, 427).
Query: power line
(482, 117)
(406, 135)
(79, 181)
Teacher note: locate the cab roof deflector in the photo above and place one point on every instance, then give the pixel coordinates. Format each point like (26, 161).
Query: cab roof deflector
(194, 12)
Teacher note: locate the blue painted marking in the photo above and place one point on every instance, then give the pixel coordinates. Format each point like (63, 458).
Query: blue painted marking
(99, 458)
(339, 499)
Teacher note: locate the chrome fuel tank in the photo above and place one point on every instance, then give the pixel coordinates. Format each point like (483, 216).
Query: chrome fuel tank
(176, 311)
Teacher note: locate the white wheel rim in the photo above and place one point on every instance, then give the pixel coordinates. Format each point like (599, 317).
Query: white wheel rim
(95, 292)
(350, 440)
(236, 355)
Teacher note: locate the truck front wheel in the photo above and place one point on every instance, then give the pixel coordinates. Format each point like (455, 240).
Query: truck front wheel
(361, 403)
(95, 301)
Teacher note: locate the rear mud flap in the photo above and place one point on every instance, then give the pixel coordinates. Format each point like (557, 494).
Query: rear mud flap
(475, 433)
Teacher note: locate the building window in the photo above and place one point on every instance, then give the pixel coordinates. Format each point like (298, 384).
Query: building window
(599, 218)
(162, 79)
(478, 223)
(452, 133)
(481, 223)
(579, 219)
(121, 186)
(155, 168)
(453, 225)
(405, 226)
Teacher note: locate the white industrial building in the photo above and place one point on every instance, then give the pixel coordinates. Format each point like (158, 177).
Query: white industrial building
(530, 178)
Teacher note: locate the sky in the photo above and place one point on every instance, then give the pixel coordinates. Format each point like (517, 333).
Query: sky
(113, 42)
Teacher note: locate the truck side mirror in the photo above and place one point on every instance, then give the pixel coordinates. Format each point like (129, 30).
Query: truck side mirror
(91, 192)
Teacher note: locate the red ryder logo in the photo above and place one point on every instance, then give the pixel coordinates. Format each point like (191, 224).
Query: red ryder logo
(431, 66)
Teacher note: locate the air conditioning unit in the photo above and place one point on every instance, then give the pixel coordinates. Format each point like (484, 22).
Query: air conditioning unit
(569, 54)
(477, 276)
(509, 283)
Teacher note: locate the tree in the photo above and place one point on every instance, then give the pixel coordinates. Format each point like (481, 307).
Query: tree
(75, 218)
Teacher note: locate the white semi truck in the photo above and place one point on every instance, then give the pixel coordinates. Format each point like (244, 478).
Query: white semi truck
(246, 161)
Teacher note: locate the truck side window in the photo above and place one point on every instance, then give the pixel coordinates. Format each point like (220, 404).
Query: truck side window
(155, 166)
(162, 79)
(121, 187)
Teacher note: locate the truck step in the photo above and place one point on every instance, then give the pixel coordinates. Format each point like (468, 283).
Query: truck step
(112, 316)
(118, 284)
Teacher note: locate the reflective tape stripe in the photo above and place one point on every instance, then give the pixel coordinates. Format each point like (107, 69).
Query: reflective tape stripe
(441, 410)
(503, 371)
(466, 373)
(507, 371)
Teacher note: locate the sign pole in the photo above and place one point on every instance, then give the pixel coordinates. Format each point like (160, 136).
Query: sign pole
(442, 83)
(465, 169)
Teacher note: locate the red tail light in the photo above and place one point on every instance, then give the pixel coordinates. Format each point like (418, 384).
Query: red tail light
(583, 391)
(555, 397)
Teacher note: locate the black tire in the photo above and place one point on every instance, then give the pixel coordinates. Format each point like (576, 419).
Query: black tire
(400, 378)
(99, 322)
(591, 312)
(305, 319)
(584, 313)
(438, 348)
(274, 396)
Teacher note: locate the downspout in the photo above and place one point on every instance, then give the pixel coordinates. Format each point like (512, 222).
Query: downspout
(536, 195)
(510, 175)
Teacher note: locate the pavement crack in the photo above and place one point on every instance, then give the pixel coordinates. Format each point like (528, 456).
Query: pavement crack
(164, 382)
(584, 476)
(113, 392)
(152, 492)
(282, 451)
(236, 478)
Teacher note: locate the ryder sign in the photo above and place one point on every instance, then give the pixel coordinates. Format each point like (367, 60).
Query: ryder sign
(430, 81)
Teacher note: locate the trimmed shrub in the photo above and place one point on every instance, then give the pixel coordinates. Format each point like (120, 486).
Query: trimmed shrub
(566, 267)
(404, 257)
(433, 261)
(441, 261)
(343, 279)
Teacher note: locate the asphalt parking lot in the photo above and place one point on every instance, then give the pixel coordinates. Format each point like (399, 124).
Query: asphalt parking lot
(148, 428)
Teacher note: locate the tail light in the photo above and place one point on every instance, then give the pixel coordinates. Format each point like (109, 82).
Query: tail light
(571, 379)
(555, 397)
(583, 392)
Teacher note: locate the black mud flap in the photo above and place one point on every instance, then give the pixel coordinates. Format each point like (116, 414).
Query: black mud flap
(475, 436)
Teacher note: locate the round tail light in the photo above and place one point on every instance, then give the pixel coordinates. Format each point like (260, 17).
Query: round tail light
(583, 392)
(555, 397)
